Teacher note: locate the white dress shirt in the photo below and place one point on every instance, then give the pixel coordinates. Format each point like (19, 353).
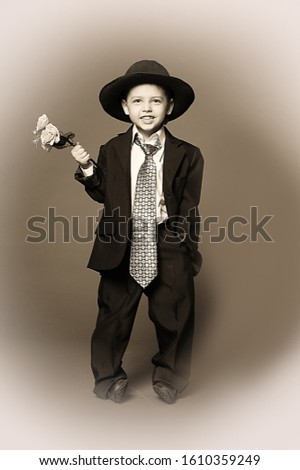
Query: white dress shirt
(137, 158)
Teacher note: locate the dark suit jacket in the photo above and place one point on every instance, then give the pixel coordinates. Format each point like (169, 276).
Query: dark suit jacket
(110, 185)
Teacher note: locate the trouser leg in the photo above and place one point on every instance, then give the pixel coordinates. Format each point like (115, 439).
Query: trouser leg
(171, 308)
(118, 299)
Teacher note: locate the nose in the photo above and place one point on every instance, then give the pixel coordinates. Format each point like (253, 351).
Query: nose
(147, 107)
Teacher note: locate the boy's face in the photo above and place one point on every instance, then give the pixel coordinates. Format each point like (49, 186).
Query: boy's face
(147, 106)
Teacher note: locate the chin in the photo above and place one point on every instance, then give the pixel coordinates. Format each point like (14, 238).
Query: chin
(151, 129)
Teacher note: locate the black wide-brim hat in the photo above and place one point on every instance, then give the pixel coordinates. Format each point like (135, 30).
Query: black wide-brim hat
(145, 72)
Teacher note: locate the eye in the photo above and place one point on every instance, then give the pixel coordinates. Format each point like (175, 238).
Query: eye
(157, 100)
(137, 100)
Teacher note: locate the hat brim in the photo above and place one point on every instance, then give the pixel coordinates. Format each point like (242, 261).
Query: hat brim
(112, 94)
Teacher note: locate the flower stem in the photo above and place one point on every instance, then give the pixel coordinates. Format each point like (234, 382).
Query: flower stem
(70, 142)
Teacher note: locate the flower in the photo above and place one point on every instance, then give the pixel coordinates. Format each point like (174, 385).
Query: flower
(43, 120)
(49, 136)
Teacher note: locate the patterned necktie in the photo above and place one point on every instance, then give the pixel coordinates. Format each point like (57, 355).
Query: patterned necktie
(143, 254)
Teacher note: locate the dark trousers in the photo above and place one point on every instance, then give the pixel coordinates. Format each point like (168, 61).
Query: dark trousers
(171, 309)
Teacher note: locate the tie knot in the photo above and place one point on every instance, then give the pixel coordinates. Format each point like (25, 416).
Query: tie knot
(148, 149)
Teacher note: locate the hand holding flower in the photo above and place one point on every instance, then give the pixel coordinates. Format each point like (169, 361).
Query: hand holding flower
(49, 136)
(80, 155)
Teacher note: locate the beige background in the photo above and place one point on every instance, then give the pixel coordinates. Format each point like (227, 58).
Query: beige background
(242, 58)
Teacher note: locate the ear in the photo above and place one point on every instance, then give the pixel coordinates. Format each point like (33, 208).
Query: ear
(171, 106)
(125, 107)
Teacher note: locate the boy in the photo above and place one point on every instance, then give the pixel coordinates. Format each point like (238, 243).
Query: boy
(149, 183)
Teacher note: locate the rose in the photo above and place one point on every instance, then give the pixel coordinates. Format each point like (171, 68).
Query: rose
(49, 136)
(43, 120)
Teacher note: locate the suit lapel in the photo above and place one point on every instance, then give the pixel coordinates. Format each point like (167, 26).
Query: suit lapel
(174, 153)
(123, 150)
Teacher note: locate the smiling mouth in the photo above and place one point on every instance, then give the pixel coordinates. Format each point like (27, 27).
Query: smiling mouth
(147, 118)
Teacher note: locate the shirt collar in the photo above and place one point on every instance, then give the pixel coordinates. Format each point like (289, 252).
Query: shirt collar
(160, 134)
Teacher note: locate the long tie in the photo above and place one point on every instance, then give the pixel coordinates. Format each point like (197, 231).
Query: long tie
(143, 254)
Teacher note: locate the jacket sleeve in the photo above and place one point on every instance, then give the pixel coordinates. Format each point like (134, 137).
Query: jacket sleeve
(188, 208)
(95, 185)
